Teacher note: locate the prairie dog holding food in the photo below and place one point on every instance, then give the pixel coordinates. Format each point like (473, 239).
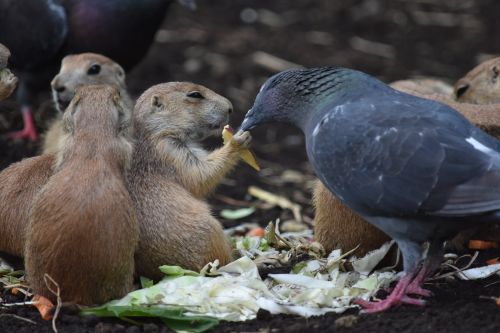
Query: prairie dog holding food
(170, 172)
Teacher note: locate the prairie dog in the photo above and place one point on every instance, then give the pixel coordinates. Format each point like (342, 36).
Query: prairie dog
(481, 85)
(8, 81)
(78, 70)
(424, 86)
(337, 226)
(83, 229)
(19, 185)
(173, 118)
(170, 172)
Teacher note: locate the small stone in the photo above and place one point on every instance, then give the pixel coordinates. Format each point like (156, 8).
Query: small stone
(133, 329)
(293, 226)
(346, 321)
(150, 328)
(103, 328)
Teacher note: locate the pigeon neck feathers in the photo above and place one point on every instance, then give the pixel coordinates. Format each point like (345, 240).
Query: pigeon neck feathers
(300, 96)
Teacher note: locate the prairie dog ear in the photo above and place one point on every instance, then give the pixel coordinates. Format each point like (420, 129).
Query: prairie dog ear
(156, 103)
(124, 113)
(68, 116)
(119, 71)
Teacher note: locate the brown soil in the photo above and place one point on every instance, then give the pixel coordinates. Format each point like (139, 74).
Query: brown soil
(214, 47)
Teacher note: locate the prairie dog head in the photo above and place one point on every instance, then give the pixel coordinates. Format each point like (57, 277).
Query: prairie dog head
(97, 111)
(183, 111)
(481, 85)
(84, 69)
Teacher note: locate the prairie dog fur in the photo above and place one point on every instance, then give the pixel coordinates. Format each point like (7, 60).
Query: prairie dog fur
(76, 71)
(83, 229)
(170, 172)
(19, 185)
(174, 117)
(481, 85)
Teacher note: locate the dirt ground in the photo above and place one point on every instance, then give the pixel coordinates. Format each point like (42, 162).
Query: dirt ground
(229, 45)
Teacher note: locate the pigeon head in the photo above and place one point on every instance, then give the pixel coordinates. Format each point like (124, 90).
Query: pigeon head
(272, 102)
(289, 96)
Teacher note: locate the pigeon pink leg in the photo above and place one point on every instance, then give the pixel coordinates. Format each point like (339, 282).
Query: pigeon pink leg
(29, 131)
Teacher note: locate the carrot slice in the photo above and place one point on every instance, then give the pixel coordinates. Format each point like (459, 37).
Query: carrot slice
(493, 261)
(44, 306)
(246, 155)
(259, 232)
(14, 291)
(475, 244)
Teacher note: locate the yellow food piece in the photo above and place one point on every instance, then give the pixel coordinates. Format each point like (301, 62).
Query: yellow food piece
(246, 155)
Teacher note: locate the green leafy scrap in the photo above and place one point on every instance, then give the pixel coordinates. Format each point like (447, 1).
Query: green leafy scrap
(172, 317)
(237, 213)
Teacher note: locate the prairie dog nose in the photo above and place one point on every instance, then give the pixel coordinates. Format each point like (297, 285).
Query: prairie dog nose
(59, 89)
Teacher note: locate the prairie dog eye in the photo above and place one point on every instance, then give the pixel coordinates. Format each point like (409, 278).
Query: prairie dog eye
(94, 69)
(494, 69)
(195, 94)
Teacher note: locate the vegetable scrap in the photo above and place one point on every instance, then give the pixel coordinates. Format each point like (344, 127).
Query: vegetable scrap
(475, 244)
(246, 155)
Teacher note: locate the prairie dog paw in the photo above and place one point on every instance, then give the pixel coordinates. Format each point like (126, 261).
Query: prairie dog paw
(242, 140)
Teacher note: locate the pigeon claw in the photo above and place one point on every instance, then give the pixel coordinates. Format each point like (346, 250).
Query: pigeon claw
(399, 295)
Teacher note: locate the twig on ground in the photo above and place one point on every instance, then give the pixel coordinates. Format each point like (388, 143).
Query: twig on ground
(57, 293)
(18, 317)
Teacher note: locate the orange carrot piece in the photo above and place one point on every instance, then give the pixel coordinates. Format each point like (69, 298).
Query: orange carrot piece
(493, 261)
(498, 301)
(259, 232)
(44, 306)
(14, 291)
(475, 244)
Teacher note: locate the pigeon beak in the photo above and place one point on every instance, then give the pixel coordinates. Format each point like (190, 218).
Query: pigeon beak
(247, 123)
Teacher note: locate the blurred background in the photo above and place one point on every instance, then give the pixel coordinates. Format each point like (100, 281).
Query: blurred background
(233, 46)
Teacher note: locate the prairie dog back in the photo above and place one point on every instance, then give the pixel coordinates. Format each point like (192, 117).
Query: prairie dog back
(83, 229)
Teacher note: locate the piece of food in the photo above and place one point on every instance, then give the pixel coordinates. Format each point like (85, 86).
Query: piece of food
(44, 306)
(475, 244)
(259, 232)
(246, 155)
(493, 261)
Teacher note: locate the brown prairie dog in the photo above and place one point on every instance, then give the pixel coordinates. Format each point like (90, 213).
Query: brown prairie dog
(426, 86)
(19, 185)
(170, 172)
(8, 81)
(337, 226)
(83, 229)
(78, 70)
(182, 115)
(481, 85)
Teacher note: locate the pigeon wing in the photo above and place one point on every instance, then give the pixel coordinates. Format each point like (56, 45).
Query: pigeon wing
(404, 156)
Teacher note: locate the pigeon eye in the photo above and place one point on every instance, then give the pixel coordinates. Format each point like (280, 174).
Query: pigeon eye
(94, 70)
(195, 94)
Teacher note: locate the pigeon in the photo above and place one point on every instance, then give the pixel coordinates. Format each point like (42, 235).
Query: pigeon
(415, 168)
(40, 33)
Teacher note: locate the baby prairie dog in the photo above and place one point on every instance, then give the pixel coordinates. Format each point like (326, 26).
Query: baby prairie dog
(76, 71)
(481, 85)
(83, 229)
(170, 172)
(8, 81)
